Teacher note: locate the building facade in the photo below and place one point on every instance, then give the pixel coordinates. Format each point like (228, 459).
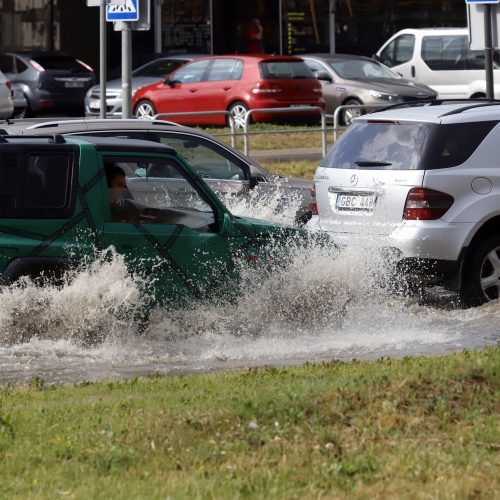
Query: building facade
(221, 26)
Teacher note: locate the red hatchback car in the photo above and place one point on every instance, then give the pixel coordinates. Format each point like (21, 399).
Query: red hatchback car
(234, 83)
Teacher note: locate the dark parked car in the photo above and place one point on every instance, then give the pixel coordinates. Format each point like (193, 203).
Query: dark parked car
(349, 79)
(233, 176)
(233, 83)
(51, 81)
(6, 104)
(144, 75)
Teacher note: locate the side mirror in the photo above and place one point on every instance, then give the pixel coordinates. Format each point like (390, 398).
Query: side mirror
(255, 176)
(376, 57)
(170, 81)
(324, 76)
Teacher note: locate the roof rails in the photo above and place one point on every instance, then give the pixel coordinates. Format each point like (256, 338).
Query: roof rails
(57, 123)
(438, 102)
(53, 138)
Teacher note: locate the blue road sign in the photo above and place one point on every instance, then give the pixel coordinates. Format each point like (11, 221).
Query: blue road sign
(128, 10)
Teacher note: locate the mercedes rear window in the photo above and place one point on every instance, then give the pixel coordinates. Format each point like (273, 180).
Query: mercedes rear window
(60, 63)
(382, 145)
(285, 69)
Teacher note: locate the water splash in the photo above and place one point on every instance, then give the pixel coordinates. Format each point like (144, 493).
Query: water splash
(323, 304)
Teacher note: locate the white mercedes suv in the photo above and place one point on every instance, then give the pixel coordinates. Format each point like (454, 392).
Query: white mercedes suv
(424, 181)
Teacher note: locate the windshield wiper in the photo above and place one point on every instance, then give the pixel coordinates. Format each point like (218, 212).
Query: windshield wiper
(368, 163)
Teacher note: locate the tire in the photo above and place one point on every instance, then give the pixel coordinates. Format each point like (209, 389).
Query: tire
(145, 110)
(347, 115)
(239, 111)
(478, 96)
(481, 279)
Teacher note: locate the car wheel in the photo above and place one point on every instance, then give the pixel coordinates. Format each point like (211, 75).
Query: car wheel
(480, 95)
(348, 115)
(481, 280)
(145, 110)
(239, 111)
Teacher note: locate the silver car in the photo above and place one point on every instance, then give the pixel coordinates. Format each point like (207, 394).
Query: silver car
(143, 75)
(348, 79)
(6, 104)
(242, 184)
(421, 183)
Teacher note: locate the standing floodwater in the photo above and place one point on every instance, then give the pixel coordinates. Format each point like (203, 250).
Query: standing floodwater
(322, 307)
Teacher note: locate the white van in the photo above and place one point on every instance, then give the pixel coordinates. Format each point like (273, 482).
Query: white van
(440, 58)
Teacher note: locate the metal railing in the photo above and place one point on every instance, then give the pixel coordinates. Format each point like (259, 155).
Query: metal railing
(250, 112)
(339, 110)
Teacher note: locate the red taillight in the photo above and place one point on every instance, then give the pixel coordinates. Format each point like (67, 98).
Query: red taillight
(37, 66)
(266, 88)
(9, 84)
(313, 205)
(426, 204)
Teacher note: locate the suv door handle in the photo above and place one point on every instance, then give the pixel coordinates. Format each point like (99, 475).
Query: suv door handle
(193, 90)
(226, 88)
(413, 71)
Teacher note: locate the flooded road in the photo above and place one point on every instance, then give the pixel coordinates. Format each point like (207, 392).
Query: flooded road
(321, 308)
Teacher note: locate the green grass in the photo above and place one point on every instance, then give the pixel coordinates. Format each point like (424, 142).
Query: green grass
(289, 137)
(409, 428)
(304, 169)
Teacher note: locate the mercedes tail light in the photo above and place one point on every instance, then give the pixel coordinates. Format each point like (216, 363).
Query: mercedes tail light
(37, 66)
(8, 83)
(426, 204)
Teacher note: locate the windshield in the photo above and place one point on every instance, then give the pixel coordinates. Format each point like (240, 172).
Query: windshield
(159, 69)
(387, 146)
(355, 69)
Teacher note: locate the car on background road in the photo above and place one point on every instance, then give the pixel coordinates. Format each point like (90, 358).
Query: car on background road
(442, 59)
(60, 203)
(50, 81)
(233, 176)
(422, 183)
(236, 84)
(146, 74)
(6, 103)
(348, 79)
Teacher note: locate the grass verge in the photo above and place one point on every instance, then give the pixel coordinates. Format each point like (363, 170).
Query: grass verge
(409, 428)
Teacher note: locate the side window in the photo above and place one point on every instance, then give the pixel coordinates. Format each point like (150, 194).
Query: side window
(399, 51)
(155, 191)
(191, 73)
(6, 64)
(225, 69)
(47, 181)
(20, 65)
(456, 142)
(208, 161)
(445, 53)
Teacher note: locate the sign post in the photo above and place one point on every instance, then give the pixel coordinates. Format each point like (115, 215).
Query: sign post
(488, 42)
(126, 11)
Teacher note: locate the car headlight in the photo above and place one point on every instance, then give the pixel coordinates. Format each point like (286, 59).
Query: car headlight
(384, 96)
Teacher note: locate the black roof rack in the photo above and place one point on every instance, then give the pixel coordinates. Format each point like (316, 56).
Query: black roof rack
(54, 138)
(438, 102)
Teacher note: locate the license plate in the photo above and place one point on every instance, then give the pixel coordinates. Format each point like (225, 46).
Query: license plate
(95, 104)
(355, 202)
(299, 105)
(73, 84)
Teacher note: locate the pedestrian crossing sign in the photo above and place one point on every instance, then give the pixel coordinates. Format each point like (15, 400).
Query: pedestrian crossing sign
(122, 10)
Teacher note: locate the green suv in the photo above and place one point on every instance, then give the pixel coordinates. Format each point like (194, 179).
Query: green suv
(62, 199)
